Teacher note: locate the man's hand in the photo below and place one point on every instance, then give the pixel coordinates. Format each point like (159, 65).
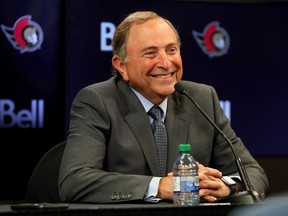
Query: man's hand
(165, 189)
(211, 186)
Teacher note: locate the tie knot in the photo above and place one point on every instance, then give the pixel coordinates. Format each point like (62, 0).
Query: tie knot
(156, 113)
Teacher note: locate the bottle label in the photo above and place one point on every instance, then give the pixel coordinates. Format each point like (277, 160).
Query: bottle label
(176, 184)
(189, 184)
(186, 184)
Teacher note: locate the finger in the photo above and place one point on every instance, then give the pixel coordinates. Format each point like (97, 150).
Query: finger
(203, 176)
(212, 188)
(205, 193)
(211, 172)
(210, 184)
(209, 198)
(200, 166)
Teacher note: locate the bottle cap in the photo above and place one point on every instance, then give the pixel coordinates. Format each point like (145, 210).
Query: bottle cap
(184, 148)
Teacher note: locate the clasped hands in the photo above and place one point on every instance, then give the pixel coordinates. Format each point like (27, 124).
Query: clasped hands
(211, 186)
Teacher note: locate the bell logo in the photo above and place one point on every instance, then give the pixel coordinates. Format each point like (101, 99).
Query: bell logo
(226, 106)
(106, 36)
(33, 118)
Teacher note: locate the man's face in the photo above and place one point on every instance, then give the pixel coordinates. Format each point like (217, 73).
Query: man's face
(154, 64)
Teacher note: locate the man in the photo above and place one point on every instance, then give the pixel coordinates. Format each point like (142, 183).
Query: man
(111, 154)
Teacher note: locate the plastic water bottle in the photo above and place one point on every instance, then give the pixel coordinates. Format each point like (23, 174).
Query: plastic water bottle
(185, 178)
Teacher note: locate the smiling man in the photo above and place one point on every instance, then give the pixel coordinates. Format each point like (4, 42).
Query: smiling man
(111, 154)
(153, 63)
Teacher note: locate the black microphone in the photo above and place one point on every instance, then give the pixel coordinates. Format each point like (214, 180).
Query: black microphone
(249, 196)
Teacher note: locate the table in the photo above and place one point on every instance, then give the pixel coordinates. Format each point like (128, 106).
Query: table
(162, 208)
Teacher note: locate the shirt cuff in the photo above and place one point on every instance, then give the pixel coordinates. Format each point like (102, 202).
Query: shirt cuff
(153, 190)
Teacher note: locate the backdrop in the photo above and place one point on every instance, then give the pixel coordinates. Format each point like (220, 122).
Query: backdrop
(51, 49)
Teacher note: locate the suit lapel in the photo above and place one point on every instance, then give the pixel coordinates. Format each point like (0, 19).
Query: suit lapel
(177, 123)
(138, 121)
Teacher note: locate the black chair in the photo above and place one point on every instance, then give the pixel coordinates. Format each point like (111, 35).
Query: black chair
(43, 183)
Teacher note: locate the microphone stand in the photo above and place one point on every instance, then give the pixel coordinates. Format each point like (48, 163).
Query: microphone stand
(249, 196)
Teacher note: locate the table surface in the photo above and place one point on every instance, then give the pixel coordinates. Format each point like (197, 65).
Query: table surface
(149, 209)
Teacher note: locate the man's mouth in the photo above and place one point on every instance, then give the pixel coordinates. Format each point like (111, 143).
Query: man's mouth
(163, 76)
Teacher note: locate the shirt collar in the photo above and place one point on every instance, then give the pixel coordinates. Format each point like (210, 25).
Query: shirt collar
(148, 105)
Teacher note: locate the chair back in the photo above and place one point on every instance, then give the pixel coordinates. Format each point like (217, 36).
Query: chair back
(43, 183)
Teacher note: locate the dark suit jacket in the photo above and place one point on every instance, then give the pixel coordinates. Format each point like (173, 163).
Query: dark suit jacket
(111, 155)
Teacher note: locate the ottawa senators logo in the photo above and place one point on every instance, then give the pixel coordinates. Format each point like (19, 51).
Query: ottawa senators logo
(214, 40)
(25, 36)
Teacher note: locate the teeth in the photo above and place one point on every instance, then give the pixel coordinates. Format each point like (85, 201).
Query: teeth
(162, 76)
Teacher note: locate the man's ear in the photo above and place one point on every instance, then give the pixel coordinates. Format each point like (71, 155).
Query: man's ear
(120, 66)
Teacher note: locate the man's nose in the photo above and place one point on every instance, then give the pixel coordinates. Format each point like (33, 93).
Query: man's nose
(163, 61)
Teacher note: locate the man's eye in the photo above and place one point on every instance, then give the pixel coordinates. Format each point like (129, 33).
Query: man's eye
(172, 50)
(150, 54)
